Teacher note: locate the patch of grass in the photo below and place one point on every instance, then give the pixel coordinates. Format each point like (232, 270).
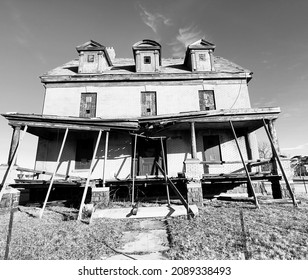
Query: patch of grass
(52, 238)
(271, 232)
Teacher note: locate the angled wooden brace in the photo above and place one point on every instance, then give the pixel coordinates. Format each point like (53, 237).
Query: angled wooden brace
(280, 165)
(245, 167)
(11, 164)
(89, 175)
(54, 173)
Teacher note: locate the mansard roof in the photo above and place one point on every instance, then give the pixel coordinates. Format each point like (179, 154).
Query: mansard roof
(171, 68)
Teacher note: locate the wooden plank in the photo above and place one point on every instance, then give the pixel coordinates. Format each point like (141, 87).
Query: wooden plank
(105, 157)
(14, 143)
(134, 170)
(245, 167)
(165, 169)
(54, 173)
(178, 194)
(89, 175)
(275, 153)
(35, 171)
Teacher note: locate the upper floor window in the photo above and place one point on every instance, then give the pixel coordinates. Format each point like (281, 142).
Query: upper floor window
(206, 100)
(148, 103)
(88, 105)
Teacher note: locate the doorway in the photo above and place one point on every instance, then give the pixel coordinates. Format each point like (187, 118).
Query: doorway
(148, 152)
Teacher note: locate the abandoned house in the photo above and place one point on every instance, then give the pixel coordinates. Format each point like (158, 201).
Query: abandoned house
(147, 118)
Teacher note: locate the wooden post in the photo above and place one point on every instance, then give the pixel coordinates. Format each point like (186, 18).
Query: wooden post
(14, 143)
(105, 158)
(273, 133)
(276, 155)
(134, 171)
(249, 157)
(89, 175)
(276, 188)
(9, 234)
(165, 170)
(54, 173)
(193, 141)
(249, 183)
(10, 166)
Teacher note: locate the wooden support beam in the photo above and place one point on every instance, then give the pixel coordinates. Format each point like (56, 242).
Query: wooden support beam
(134, 170)
(249, 157)
(249, 183)
(193, 141)
(54, 173)
(105, 157)
(14, 143)
(174, 188)
(10, 166)
(89, 175)
(276, 155)
(165, 169)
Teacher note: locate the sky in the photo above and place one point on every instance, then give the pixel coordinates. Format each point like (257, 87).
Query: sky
(270, 38)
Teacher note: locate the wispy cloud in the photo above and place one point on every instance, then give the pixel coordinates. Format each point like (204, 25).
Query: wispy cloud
(154, 20)
(298, 147)
(185, 36)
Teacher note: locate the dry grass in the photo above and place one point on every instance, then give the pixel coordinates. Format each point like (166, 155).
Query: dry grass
(57, 237)
(272, 232)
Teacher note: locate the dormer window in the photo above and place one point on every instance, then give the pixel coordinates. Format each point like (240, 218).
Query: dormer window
(199, 56)
(147, 54)
(93, 58)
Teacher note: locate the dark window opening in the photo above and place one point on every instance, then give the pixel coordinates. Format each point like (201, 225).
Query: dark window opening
(206, 100)
(84, 153)
(147, 60)
(211, 144)
(91, 58)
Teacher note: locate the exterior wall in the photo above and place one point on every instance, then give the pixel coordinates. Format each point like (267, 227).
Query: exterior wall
(118, 162)
(125, 101)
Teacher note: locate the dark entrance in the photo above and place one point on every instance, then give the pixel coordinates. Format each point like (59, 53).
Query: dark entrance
(148, 152)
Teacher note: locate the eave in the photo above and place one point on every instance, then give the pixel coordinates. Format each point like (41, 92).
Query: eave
(144, 77)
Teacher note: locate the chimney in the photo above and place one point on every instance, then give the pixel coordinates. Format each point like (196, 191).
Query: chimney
(111, 53)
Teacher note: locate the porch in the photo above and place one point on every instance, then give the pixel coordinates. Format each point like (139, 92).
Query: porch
(154, 168)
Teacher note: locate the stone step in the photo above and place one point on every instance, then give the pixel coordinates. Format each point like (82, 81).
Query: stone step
(145, 241)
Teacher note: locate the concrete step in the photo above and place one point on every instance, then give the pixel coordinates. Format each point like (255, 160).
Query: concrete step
(143, 212)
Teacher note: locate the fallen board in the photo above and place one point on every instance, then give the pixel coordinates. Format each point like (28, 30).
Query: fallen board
(144, 212)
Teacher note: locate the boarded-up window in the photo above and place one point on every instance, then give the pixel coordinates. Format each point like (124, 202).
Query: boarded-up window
(211, 145)
(206, 100)
(88, 105)
(148, 103)
(84, 153)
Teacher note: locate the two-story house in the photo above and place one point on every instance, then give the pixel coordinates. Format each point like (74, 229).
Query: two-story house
(176, 112)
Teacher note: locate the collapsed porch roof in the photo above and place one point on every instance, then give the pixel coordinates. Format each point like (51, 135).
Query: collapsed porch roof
(249, 119)
(36, 123)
